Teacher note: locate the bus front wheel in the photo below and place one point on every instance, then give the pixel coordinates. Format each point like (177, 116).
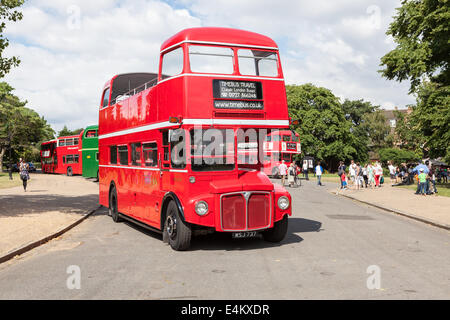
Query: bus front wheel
(278, 232)
(113, 211)
(177, 232)
(69, 171)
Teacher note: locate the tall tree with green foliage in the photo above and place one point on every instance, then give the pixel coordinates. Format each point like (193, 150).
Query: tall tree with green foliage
(8, 13)
(324, 130)
(20, 128)
(379, 132)
(407, 134)
(67, 132)
(357, 112)
(421, 32)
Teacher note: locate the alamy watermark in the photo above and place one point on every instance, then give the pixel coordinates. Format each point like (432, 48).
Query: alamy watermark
(73, 21)
(374, 280)
(74, 280)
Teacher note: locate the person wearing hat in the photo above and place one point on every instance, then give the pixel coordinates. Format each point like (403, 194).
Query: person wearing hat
(422, 181)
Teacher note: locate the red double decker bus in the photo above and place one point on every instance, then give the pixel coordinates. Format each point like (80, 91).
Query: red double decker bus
(169, 146)
(49, 159)
(279, 146)
(62, 155)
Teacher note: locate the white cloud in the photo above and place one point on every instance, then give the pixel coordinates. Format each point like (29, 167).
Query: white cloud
(335, 44)
(63, 70)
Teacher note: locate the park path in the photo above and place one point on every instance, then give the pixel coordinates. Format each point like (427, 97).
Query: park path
(435, 209)
(51, 203)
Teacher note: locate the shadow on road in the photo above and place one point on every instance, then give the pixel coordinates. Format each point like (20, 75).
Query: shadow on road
(223, 241)
(18, 205)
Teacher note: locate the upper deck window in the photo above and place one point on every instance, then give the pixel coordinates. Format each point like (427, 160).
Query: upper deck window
(207, 59)
(91, 134)
(105, 99)
(172, 63)
(258, 63)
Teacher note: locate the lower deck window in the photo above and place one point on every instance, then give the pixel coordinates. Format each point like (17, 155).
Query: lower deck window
(136, 154)
(113, 155)
(123, 155)
(150, 151)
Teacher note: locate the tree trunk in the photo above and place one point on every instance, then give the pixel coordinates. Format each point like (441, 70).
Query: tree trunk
(2, 153)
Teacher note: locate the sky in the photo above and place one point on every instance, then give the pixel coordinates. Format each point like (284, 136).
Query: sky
(70, 48)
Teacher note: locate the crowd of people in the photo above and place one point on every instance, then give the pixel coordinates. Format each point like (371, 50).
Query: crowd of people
(293, 172)
(371, 175)
(360, 176)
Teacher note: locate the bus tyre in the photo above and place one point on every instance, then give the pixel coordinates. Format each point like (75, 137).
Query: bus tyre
(177, 232)
(278, 232)
(113, 211)
(69, 171)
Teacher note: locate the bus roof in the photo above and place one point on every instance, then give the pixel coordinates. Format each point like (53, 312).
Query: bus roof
(225, 36)
(72, 136)
(50, 141)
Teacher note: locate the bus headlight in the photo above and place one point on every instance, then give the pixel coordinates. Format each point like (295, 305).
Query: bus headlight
(283, 203)
(201, 208)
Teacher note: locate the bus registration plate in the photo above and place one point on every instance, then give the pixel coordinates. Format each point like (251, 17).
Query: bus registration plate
(241, 235)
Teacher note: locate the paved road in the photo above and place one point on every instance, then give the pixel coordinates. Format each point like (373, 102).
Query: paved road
(330, 244)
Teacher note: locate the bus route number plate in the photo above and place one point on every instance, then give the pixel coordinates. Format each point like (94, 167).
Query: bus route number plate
(241, 235)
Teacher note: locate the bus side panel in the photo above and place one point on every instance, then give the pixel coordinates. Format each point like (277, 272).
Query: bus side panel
(105, 175)
(171, 99)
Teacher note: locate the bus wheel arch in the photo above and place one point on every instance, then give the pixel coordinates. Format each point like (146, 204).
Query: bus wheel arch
(176, 231)
(170, 196)
(113, 209)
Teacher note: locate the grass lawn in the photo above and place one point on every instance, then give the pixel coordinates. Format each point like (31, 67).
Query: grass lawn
(6, 183)
(443, 189)
(330, 177)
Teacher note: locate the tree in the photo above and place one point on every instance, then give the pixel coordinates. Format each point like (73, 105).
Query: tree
(356, 112)
(20, 128)
(7, 13)
(408, 135)
(66, 132)
(421, 32)
(397, 156)
(324, 131)
(378, 130)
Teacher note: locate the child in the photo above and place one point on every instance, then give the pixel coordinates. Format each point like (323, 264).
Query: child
(423, 181)
(344, 181)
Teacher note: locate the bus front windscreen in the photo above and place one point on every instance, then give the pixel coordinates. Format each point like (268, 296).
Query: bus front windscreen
(212, 149)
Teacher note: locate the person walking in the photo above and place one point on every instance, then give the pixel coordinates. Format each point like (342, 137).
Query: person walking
(319, 171)
(359, 176)
(392, 172)
(352, 172)
(291, 175)
(422, 181)
(24, 175)
(378, 173)
(305, 169)
(341, 171)
(432, 177)
(371, 174)
(283, 171)
(365, 175)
